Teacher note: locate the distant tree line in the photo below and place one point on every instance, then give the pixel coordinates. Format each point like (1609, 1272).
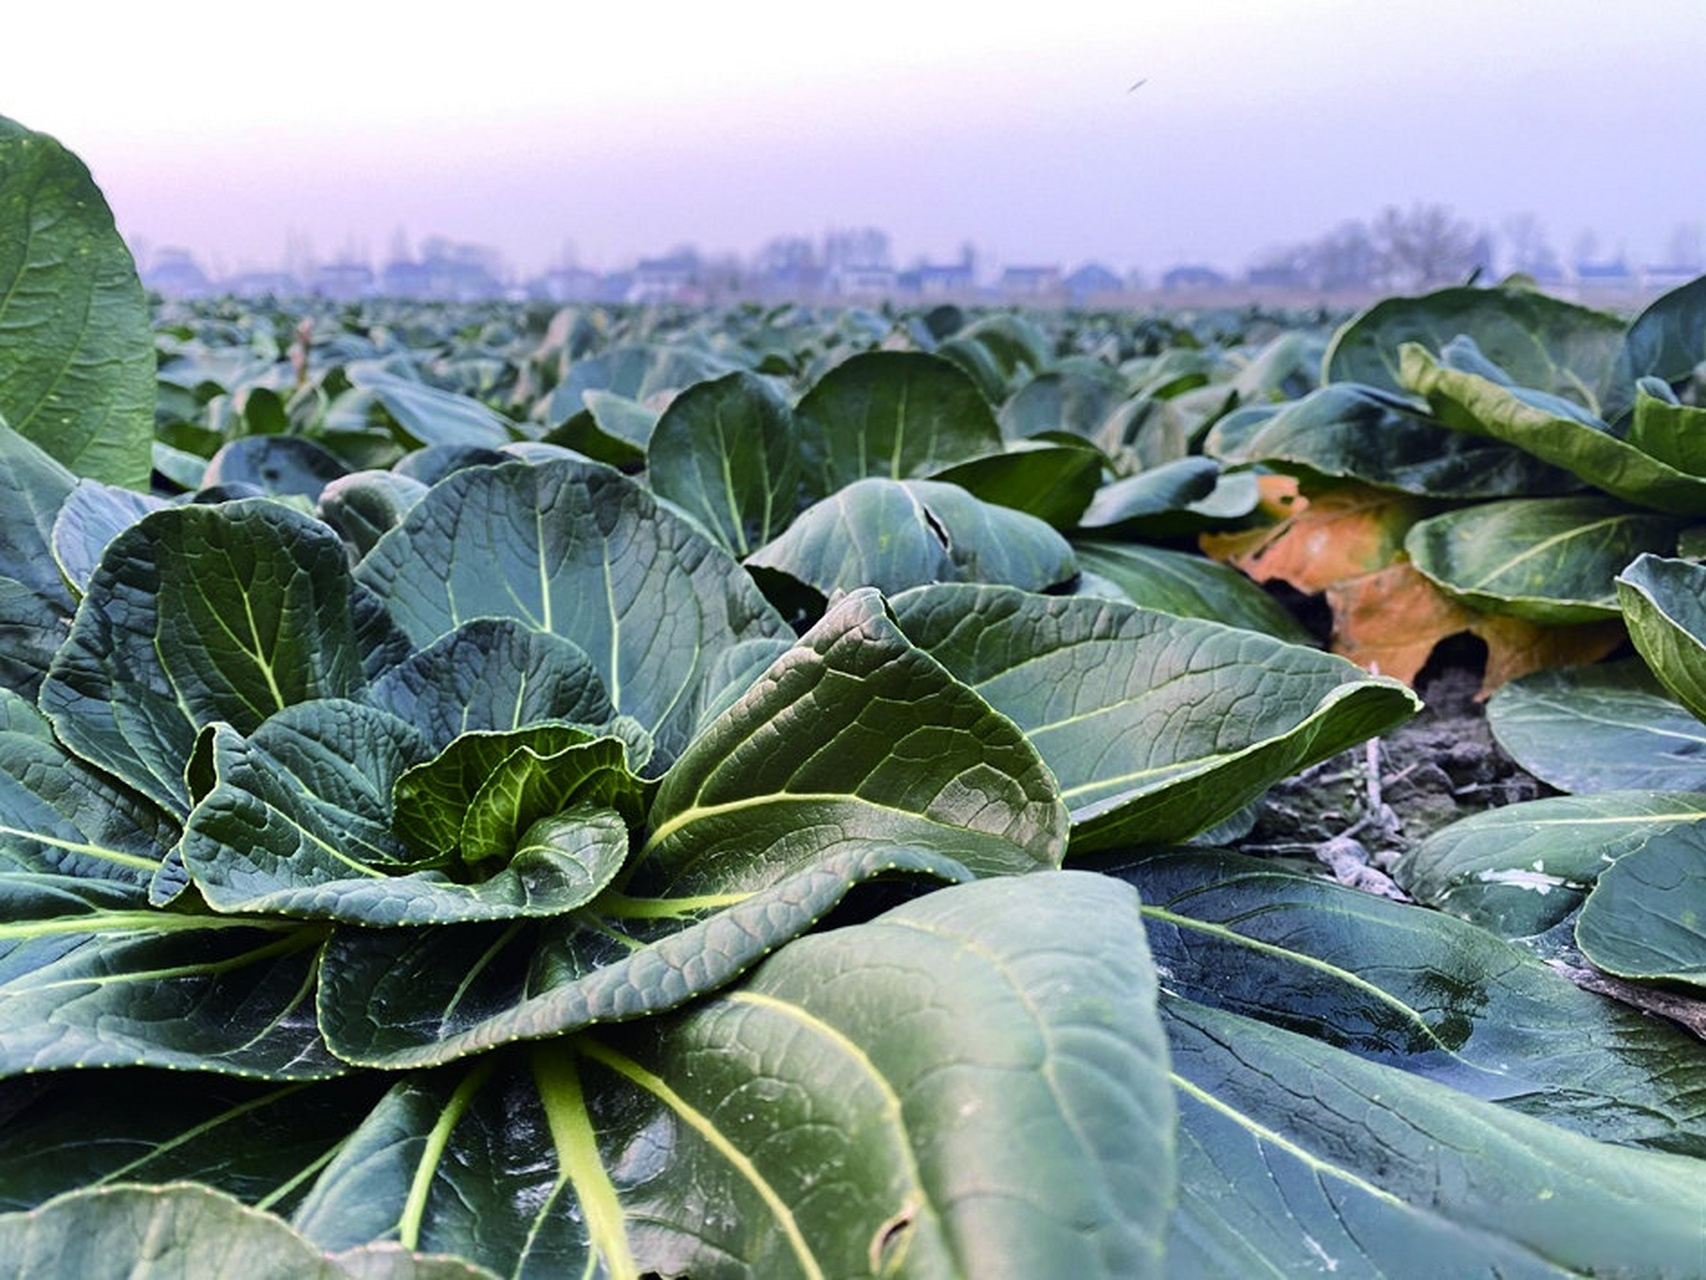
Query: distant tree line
(1400, 250)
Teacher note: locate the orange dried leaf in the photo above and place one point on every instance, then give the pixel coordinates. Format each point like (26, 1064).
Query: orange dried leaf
(1341, 535)
(1390, 620)
(1516, 646)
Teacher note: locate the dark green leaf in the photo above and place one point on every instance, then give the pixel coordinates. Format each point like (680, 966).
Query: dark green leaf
(1416, 989)
(610, 428)
(1670, 431)
(278, 466)
(852, 734)
(1188, 585)
(1353, 432)
(58, 815)
(415, 997)
(981, 1069)
(1520, 869)
(1543, 342)
(1053, 481)
(33, 490)
(892, 535)
(93, 516)
(1665, 341)
(1298, 1158)
(1603, 728)
(1132, 505)
(1552, 431)
(900, 415)
(76, 355)
(196, 614)
(183, 1231)
(364, 505)
(493, 674)
(91, 976)
(259, 1140)
(1072, 400)
(1666, 612)
(726, 453)
(299, 823)
(1156, 726)
(1646, 918)
(580, 551)
(1553, 561)
(428, 416)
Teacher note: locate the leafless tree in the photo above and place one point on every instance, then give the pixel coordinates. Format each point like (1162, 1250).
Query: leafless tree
(1427, 246)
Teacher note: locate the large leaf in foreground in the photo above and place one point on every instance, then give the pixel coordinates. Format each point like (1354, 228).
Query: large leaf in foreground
(91, 976)
(76, 354)
(1157, 727)
(1609, 727)
(1666, 611)
(184, 1232)
(1521, 868)
(1416, 989)
(970, 1084)
(854, 733)
(1550, 560)
(1552, 432)
(230, 613)
(981, 1067)
(1297, 1158)
(578, 550)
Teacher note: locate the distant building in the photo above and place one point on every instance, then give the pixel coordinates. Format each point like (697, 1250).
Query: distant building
(1091, 281)
(671, 279)
(567, 284)
(1191, 278)
(175, 274)
(1030, 284)
(343, 281)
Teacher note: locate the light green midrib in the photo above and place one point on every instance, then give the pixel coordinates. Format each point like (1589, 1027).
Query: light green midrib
(432, 1154)
(1233, 937)
(576, 1142)
(737, 1159)
(1273, 1138)
(114, 856)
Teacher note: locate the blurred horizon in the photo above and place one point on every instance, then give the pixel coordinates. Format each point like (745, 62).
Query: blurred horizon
(1136, 136)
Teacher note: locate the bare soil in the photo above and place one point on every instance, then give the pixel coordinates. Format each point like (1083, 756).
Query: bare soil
(1358, 811)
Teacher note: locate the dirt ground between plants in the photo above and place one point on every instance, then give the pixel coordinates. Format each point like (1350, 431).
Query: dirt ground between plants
(1359, 810)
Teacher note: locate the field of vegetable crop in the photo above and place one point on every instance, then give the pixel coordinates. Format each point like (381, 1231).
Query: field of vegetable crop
(785, 792)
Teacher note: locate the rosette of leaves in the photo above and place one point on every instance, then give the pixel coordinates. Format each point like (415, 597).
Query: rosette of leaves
(470, 883)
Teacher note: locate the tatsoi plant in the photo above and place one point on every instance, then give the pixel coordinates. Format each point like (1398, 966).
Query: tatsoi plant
(427, 850)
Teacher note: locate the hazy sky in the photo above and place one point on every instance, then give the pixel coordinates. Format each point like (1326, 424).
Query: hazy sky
(628, 128)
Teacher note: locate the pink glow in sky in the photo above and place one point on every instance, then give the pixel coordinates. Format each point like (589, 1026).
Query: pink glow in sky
(625, 130)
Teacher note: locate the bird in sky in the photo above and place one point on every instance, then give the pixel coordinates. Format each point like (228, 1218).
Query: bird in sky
(1138, 85)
